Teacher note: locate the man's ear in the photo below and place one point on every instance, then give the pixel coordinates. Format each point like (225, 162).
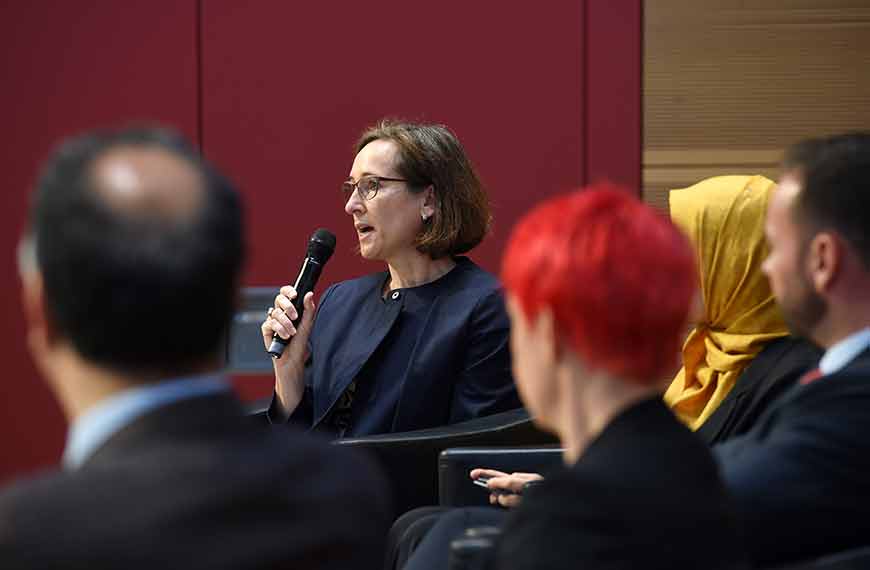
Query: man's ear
(824, 260)
(41, 333)
(430, 203)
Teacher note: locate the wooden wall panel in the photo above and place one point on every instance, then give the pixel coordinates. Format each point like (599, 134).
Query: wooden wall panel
(728, 83)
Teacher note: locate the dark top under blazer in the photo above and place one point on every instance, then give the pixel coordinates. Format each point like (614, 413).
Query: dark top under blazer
(196, 484)
(800, 476)
(644, 494)
(459, 363)
(770, 374)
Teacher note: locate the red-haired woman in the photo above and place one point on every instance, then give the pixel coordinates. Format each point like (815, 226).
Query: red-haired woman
(599, 289)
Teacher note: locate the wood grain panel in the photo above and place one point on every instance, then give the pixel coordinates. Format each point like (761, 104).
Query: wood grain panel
(729, 84)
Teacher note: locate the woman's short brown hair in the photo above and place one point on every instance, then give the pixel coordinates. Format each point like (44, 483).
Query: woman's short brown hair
(431, 155)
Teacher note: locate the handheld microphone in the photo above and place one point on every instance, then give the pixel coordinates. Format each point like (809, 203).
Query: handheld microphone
(320, 248)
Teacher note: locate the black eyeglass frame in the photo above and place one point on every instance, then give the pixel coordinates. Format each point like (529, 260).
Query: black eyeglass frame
(349, 186)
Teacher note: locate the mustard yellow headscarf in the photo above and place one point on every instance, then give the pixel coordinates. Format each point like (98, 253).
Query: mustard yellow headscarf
(724, 218)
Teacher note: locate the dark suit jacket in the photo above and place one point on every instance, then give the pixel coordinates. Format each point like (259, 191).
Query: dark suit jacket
(774, 371)
(459, 365)
(197, 485)
(644, 494)
(800, 476)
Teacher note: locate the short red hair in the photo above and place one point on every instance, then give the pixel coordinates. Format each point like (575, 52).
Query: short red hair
(617, 275)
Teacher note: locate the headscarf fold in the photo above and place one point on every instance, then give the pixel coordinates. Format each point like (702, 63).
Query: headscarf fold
(724, 219)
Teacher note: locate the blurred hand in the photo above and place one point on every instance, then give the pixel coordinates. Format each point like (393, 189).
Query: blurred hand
(289, 369)
(511, 485)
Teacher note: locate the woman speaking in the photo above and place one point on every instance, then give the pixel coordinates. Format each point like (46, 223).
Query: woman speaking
(422, 344)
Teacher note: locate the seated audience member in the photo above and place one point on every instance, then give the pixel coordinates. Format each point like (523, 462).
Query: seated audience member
(738, 357)
(599, 290)
(422, 344)
(799, 477)
(132, 237)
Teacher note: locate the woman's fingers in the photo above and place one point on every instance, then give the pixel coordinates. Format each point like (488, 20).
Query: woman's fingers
(284, 302)
(481, 472)
(308, 313)
(509, 501)
(280, 318)
(507, 483)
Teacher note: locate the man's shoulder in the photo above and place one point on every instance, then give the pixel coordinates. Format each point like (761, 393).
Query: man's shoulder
(830, 413)
(257, 484)
(286, 457)
(41, 487)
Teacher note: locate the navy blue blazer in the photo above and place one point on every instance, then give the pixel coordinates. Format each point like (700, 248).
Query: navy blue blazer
(800, 476)
(459, 364)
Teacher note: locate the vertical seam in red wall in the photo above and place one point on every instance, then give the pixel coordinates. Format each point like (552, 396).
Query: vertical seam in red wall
(640, 66)
(584, 93)
(200, 136)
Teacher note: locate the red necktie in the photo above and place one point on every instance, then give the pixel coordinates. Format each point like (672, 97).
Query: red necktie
(810, 376)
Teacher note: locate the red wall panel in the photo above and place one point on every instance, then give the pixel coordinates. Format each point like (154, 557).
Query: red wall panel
(65, 67)
(613, 97)
(544, 97)
(287, 88)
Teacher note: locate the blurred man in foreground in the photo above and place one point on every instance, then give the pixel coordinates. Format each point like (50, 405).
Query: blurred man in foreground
(132, 238)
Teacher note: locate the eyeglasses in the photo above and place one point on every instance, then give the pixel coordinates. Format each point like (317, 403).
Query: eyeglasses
(367, 186)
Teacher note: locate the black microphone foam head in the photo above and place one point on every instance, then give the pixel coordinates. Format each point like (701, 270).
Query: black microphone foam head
(321, 245)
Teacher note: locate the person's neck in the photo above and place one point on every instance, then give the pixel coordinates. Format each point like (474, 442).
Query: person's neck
(417, 269)
(842, 321)
(80, 384)
(590, 400)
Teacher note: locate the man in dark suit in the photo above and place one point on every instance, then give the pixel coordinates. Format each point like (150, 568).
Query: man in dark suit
(130, 270)
(800, 476)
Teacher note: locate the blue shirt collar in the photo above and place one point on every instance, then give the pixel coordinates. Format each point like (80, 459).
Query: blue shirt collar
(93, 428)
(844, 352)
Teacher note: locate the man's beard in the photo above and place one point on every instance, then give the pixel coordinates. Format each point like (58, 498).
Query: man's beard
(803, 312)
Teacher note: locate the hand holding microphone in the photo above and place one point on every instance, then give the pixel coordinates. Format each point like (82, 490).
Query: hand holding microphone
(289, 322)
(320, 248)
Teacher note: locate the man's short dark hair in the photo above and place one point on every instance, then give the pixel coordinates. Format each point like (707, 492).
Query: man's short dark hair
(835, 193)
(144, 293)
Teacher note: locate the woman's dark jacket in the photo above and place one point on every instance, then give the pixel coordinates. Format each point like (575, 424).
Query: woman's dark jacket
(414, 358)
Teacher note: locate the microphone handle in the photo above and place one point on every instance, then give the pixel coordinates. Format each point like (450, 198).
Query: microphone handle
(308, 276)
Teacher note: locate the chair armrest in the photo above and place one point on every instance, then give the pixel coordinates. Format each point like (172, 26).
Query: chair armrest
(410, 459)
(455, 488)
(846, 560)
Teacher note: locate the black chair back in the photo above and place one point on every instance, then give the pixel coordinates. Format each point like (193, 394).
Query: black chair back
(410, 459)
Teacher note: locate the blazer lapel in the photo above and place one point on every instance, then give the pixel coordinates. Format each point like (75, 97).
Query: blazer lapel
(359, 335)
